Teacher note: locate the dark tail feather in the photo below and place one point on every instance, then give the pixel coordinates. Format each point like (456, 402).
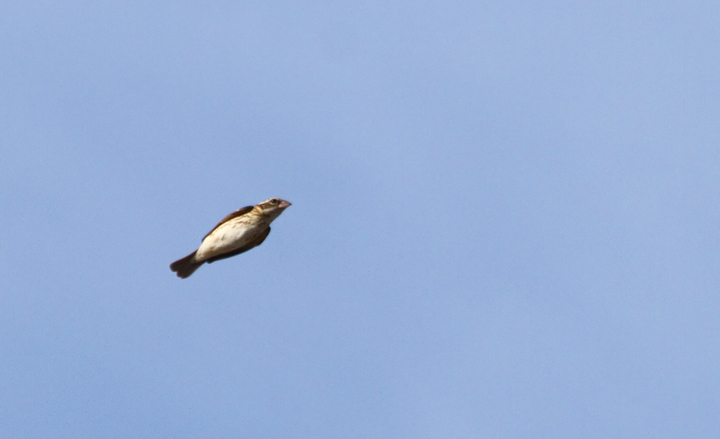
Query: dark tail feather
(186, 266)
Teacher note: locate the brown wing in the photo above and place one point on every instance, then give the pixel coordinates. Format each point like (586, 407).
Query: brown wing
(237, 213)
(254, 243)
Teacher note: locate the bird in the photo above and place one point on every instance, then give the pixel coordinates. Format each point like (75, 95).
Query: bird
(237, 233)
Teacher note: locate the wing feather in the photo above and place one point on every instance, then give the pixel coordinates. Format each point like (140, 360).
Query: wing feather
(252, 244)
(237, 213)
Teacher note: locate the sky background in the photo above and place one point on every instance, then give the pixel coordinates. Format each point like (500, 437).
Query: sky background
(504, 223)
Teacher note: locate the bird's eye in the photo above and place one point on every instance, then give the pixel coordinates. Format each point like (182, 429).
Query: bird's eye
(274, 201)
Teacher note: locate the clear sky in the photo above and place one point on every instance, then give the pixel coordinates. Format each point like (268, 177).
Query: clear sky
(504, 224)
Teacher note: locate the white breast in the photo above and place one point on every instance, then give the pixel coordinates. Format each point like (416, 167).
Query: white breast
(226, 238)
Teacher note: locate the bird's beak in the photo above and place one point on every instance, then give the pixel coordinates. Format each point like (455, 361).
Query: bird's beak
(284, 204)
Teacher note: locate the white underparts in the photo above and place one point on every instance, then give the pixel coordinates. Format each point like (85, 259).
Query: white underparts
(228, 237)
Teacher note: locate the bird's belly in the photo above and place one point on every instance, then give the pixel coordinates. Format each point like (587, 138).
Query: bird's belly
(224, 239)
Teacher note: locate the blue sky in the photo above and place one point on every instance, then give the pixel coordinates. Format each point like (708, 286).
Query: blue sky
(504, 222)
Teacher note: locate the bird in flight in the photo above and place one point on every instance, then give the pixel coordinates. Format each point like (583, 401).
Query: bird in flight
(236, 233)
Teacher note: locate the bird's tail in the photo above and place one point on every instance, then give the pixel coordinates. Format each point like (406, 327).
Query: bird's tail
(186, 266)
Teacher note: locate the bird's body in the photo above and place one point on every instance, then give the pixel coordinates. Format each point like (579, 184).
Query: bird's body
(231, 235)
(236, 233)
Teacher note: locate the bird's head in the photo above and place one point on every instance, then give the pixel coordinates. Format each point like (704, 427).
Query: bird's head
(273, 207)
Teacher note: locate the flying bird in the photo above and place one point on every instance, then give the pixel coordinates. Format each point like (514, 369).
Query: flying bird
(236, 233)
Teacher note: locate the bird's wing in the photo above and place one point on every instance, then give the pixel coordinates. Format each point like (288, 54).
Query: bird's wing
(254, 243)
(237, 213)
